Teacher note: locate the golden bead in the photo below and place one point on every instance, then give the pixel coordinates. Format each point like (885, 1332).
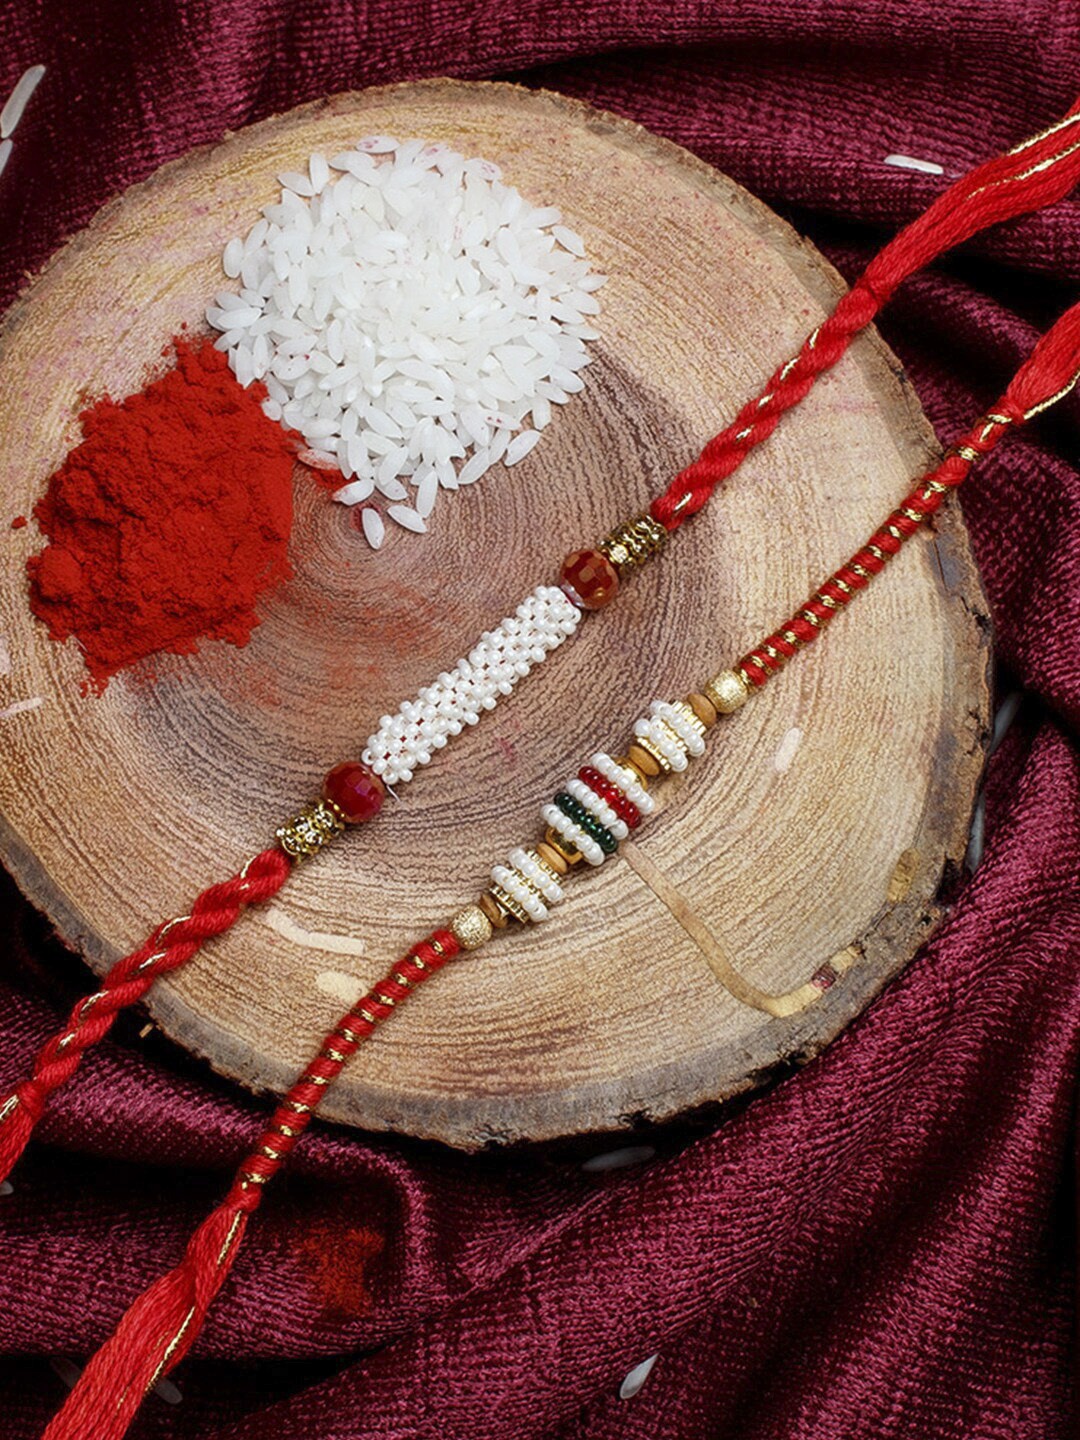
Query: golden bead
(509, 903)
(728, 691)
(315, 826)
(471, 928)
(633, 542)
(562, 845)
(639, 775)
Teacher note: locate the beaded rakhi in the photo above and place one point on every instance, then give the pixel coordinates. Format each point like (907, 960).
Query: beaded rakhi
(587, 816)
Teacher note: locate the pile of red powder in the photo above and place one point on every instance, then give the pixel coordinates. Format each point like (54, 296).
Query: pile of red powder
(169, 519)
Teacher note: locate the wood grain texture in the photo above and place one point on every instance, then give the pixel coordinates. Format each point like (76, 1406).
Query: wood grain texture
(821, 821)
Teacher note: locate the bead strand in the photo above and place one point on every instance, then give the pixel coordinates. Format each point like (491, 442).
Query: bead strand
(593, 811)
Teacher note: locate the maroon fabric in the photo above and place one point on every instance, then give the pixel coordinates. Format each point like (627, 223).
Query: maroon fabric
(883, 1245)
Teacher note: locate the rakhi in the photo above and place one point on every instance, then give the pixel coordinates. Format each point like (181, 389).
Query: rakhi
(1036, 172)
(588, 816)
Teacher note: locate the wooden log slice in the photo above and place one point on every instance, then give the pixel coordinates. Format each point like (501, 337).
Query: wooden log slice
(817, 829)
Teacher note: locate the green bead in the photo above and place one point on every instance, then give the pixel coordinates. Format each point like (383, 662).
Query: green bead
(588, 822)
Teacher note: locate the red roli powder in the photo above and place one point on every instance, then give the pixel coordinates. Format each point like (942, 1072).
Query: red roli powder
(169, 519)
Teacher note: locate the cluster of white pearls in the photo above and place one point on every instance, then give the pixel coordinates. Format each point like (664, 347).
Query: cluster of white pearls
(572, 833)
(502, 657)
(528, 882)
(670, 733)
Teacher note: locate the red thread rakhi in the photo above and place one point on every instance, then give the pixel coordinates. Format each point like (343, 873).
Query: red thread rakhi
(161, 1326)
(1034, 173)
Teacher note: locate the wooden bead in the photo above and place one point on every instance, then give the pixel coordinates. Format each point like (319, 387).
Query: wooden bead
(642, 761)
(703, 708)
(493, 910)
(555, 858)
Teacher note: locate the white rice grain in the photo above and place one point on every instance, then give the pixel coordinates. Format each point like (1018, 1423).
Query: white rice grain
(374, 528)
(520, 446)
(405, 515)
(18, 100)
(410, 314)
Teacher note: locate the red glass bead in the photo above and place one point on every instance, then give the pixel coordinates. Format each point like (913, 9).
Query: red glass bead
(356, 792)
(589, 578)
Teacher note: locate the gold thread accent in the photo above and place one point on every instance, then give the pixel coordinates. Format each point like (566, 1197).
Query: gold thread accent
(253, 1177)
(348, 1035)
(997, 419)
(811, 618)
(270, 1154)
(793, 639)
(315, 1080)
(966, 452)
(1043, 134)
(910, 514)
(10, 1105)
(1045, 404)
(385, 999)
(366, 1015)
(894, 532)
(173, 1343)
(878, 553)
(859, 570)
(285, 1130)
(842, 585)
(436, 947)
(936, 487)
(404, 981)
(298, 1106)
(329, 1053)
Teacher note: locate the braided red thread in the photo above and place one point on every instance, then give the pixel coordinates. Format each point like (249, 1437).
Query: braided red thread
(1049, 372)
(170, 946)
(162, 1324)
(1035, 173)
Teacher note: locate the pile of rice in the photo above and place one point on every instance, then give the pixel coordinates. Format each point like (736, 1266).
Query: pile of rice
(412, 317)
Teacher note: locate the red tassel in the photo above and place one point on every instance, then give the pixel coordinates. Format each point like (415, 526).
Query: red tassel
(162, 1325)
(1051, 370)
(156, 1333)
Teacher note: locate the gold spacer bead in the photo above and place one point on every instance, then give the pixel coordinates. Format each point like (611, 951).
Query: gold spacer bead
(633, 543)
(315, 826)
(559, 843)
(728, 691)
(471, 928)
(635, 770)
(509, 904)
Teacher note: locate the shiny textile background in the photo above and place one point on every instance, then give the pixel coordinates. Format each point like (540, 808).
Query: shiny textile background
(882, 1245)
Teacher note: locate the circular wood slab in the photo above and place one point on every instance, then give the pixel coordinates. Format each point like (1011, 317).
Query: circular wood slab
(820, 823)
